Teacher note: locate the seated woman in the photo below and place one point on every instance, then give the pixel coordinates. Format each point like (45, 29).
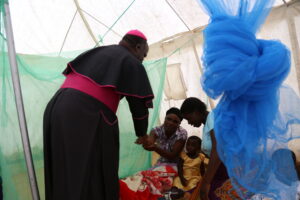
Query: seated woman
(168, 141)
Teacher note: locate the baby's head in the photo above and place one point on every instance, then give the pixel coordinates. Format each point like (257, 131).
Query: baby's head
(193, 145)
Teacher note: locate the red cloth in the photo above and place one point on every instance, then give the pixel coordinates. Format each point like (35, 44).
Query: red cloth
(127, 194)
(147, 185)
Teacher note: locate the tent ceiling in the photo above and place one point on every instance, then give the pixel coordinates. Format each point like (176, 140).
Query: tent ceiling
(51, 26)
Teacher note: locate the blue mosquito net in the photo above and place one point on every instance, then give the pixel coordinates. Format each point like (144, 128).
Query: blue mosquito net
(257, 116)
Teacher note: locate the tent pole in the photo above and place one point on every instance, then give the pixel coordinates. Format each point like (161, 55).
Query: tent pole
(87, 26)
(211, 103)
(19, 103)
(294, 45)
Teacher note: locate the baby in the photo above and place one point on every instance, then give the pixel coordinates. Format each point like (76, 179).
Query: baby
(190, 167)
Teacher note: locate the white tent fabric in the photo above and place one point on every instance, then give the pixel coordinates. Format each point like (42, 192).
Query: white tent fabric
(41, 26)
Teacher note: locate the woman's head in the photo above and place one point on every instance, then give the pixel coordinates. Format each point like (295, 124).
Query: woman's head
(194, 111)
(193, 145)
(137, 44)
(172, 120)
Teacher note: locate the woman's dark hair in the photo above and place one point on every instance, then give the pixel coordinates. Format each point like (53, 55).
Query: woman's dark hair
(133, 40)
(191, 105)
(175, 111)
(196, 138)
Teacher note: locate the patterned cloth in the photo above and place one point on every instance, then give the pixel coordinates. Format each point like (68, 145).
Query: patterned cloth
(149, 184)
(166, 143)
(221, 187)
(227, 192)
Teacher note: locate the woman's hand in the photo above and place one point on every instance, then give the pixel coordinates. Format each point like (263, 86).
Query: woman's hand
(204, 189)
(147, 142)
(141, 140)
(151, 147)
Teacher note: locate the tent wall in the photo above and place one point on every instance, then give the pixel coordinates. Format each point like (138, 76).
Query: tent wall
(45, 24)
(279, 27)
(43, 27)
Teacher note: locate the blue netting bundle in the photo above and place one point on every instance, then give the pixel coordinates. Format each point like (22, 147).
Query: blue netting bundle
(256, 116)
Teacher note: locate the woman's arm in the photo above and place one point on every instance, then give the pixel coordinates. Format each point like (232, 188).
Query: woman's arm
(176, 149)
(213, 165)
(147, 140)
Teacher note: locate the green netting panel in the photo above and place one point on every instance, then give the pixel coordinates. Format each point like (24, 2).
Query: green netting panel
(40, 78)
(5, 162)
(141, 159)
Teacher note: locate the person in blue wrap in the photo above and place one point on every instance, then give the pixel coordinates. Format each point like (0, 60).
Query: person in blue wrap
(256, 114)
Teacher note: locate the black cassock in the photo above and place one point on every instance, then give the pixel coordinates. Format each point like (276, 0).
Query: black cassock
(81, 134)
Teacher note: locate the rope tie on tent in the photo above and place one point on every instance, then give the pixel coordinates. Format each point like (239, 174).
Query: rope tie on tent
(86, 24)
(118, 19)
(65, 38)
(97, 20)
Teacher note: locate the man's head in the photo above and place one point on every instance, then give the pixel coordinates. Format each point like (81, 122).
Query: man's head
(136, 42)
(194, 111)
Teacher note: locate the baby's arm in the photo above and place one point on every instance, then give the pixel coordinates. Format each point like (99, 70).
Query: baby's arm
(180, 171)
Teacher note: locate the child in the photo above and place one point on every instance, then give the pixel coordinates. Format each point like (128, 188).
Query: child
(190, 166)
